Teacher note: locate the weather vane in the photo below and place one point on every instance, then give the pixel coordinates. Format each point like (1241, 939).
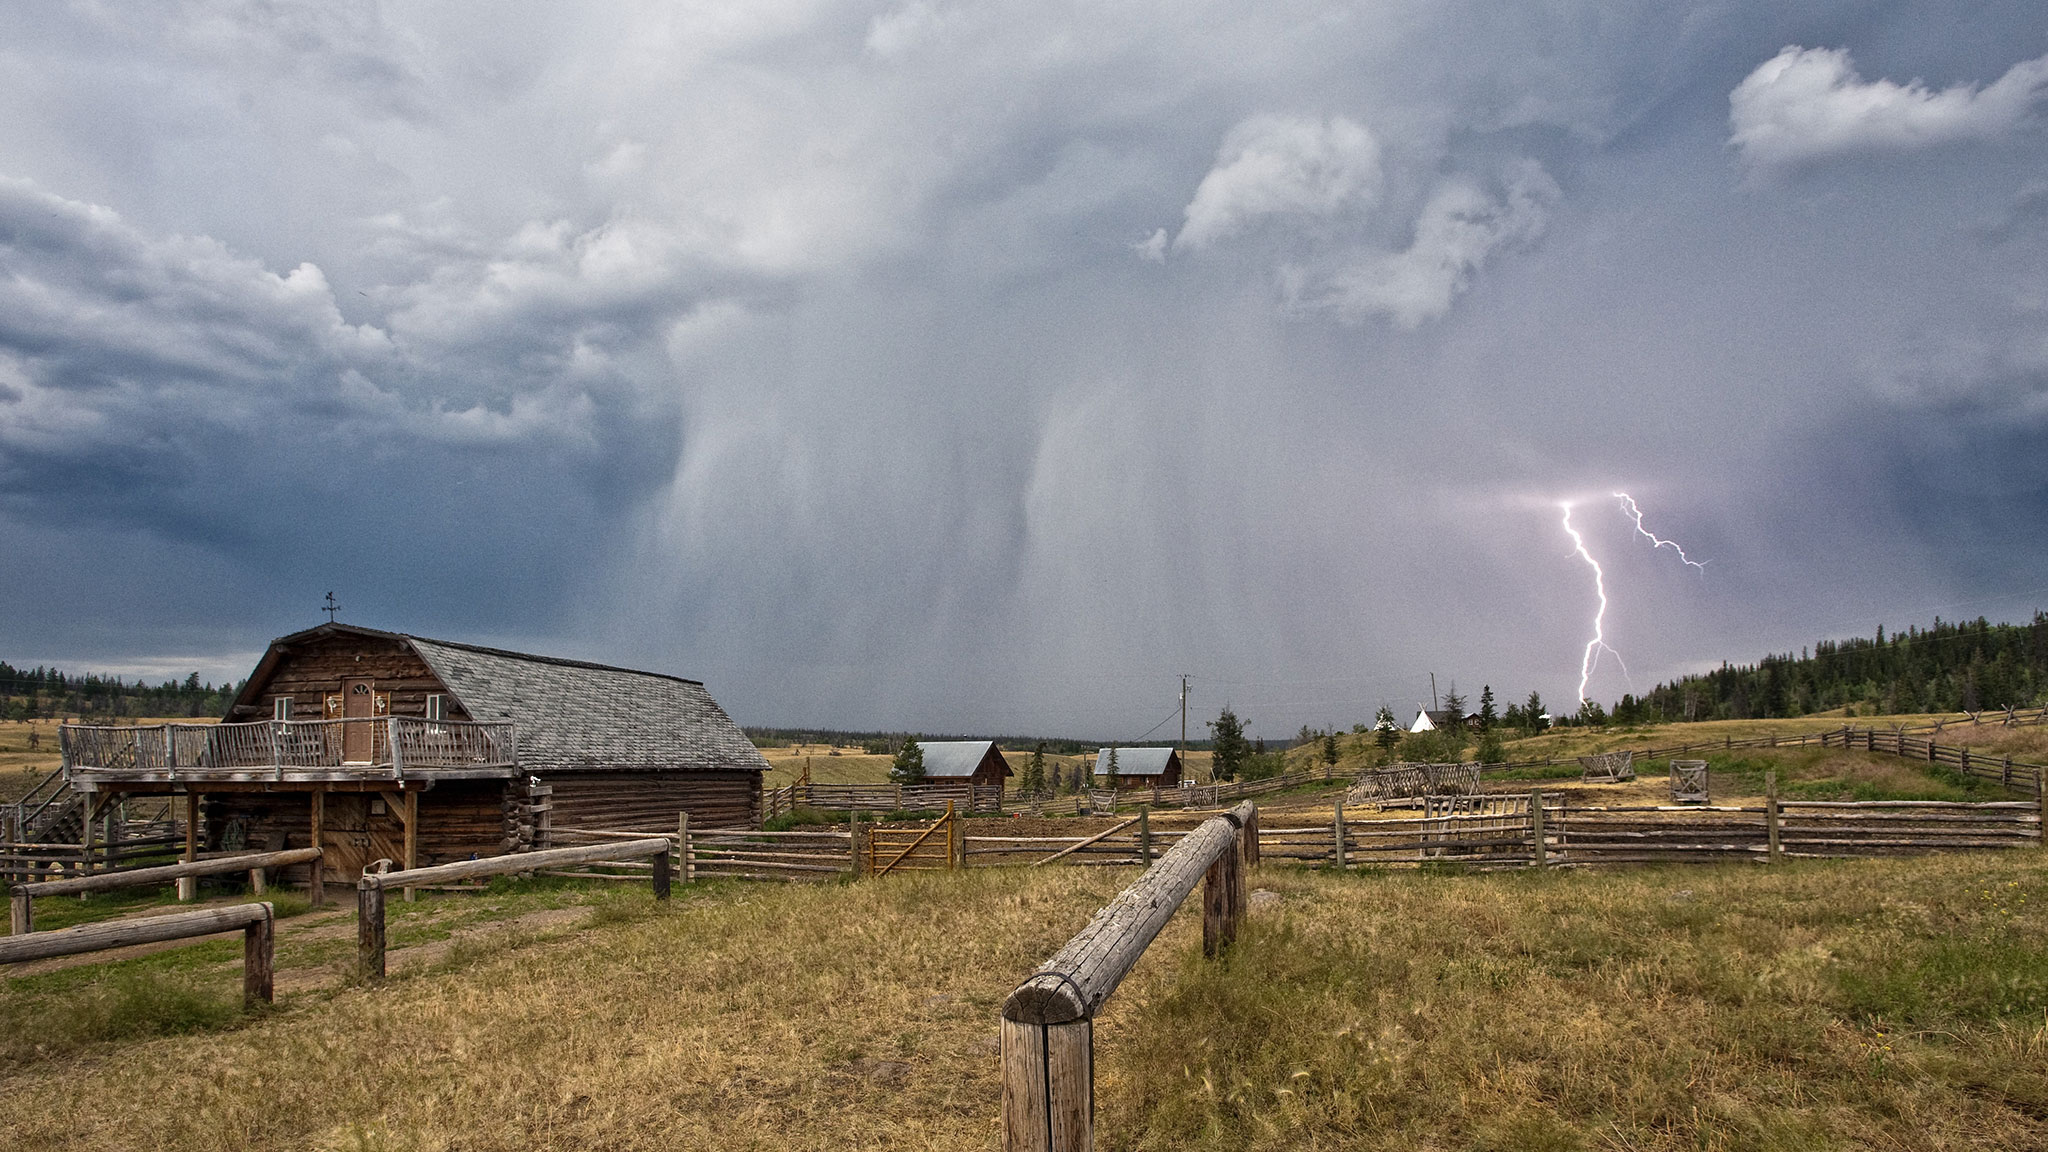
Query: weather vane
(332, 606)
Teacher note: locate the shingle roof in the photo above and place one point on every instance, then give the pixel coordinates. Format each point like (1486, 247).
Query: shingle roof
(955, 759)
(1134, 761)
(577, 715)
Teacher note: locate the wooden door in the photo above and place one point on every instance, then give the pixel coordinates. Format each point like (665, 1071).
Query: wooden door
(345, 833)
(358, 705)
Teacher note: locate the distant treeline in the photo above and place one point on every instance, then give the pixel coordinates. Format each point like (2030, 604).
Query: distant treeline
(1968, 667)
(886, 743)
(47, 693)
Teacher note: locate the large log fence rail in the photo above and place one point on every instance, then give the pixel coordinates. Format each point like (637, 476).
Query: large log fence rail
(256, 922)
(1048, 1037)
(370, 889)
(21, 897)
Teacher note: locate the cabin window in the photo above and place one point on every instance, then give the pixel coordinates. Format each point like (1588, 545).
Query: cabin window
(434, 707)
(281, 708)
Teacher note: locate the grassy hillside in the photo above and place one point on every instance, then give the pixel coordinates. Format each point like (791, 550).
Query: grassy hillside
(1893, 1003)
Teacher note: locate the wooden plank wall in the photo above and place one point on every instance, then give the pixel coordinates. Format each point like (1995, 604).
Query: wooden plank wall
(314, 669)
(649, 801)
(458, 819)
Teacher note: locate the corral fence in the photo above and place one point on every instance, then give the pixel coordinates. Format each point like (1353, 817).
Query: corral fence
(880, 798)
(256, 922)
(21, 897)
(1403, 785)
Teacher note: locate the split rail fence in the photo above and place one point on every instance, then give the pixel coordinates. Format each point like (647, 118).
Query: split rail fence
(21, 897)
(256, 922)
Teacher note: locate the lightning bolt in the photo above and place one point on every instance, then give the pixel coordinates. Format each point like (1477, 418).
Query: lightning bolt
(1628, 508)
(1598, 643)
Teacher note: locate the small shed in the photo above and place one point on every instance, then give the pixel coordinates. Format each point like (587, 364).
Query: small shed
(964, 762)
(1141, 767)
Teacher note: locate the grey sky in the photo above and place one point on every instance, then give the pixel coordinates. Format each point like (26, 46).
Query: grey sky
(973, 367)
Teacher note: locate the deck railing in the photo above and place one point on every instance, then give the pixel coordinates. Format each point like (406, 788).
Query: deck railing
(399, 743)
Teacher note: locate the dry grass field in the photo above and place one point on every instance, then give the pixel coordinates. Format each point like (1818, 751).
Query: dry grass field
(1889, 1003)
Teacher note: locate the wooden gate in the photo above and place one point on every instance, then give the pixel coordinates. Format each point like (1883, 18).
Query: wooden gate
(929, 849)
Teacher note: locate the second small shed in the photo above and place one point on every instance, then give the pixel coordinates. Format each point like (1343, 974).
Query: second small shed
(1140, 767)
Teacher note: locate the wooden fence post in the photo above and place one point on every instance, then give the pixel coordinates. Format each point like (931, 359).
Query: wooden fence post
(370, 929)
(1145, 836)
(2041, 807)
(1222, 902)
(1771, 812)
(661, 875)
(412, 838)
(1337, 836)
(259, 955)
(1541, 855)
(21, 914)
(1248, 839)
(686, 859)
(256, 881)
(1048, 1086)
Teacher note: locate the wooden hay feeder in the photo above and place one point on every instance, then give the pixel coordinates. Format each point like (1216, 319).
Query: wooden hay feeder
(1607, 768)
(1689, 782)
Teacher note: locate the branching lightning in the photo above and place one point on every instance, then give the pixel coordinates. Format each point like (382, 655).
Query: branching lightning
(1628, 507)
(1598, 643)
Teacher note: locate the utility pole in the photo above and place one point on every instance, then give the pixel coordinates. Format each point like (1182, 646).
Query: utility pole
(1183, 751)
(1434, 704)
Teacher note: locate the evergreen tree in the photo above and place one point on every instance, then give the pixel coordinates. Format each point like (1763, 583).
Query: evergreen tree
(1487, 716)
(908, 767)
(1109, 773)
(1330, 749)
(1532, 712)
(1386, 730)
(1034, 771)
(1231, 749)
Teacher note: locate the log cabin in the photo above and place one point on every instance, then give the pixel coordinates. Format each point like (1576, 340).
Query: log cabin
(964, 762)
(386, 746)
(1140, 768)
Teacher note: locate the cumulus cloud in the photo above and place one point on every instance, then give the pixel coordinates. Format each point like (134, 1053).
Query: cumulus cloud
(1807, 104)
(1459, 228)
(1282, 166)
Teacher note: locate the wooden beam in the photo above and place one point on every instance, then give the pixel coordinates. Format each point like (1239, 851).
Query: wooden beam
(1077, 980)
(412, 839)
(316, 891)
(253, 919)
(1073, 848)
(133, 877)
(188, 887)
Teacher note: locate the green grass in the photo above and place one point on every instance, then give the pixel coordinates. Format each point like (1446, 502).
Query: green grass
(1810, 1005)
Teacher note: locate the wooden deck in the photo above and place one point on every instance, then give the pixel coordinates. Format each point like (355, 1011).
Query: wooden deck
(382, 748)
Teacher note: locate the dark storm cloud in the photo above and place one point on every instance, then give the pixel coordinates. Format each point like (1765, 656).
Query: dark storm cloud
(985, 365)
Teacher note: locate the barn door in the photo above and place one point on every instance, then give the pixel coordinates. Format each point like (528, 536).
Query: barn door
(345, 833)
(358, 705)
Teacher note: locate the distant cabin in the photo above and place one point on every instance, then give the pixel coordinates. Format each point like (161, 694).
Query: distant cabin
(340, 731)
(1140, 767)
(964, 762)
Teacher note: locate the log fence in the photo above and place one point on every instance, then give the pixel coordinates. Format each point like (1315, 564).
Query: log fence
(370, 938)
(21, 902)
(1048, 1022)
(256, 922)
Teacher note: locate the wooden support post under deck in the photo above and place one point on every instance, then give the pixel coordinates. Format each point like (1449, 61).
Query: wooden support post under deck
(1048, 1086)
(316, 891)
(1771, 812)
(412, 838)
(188, 886)
(89, 811)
